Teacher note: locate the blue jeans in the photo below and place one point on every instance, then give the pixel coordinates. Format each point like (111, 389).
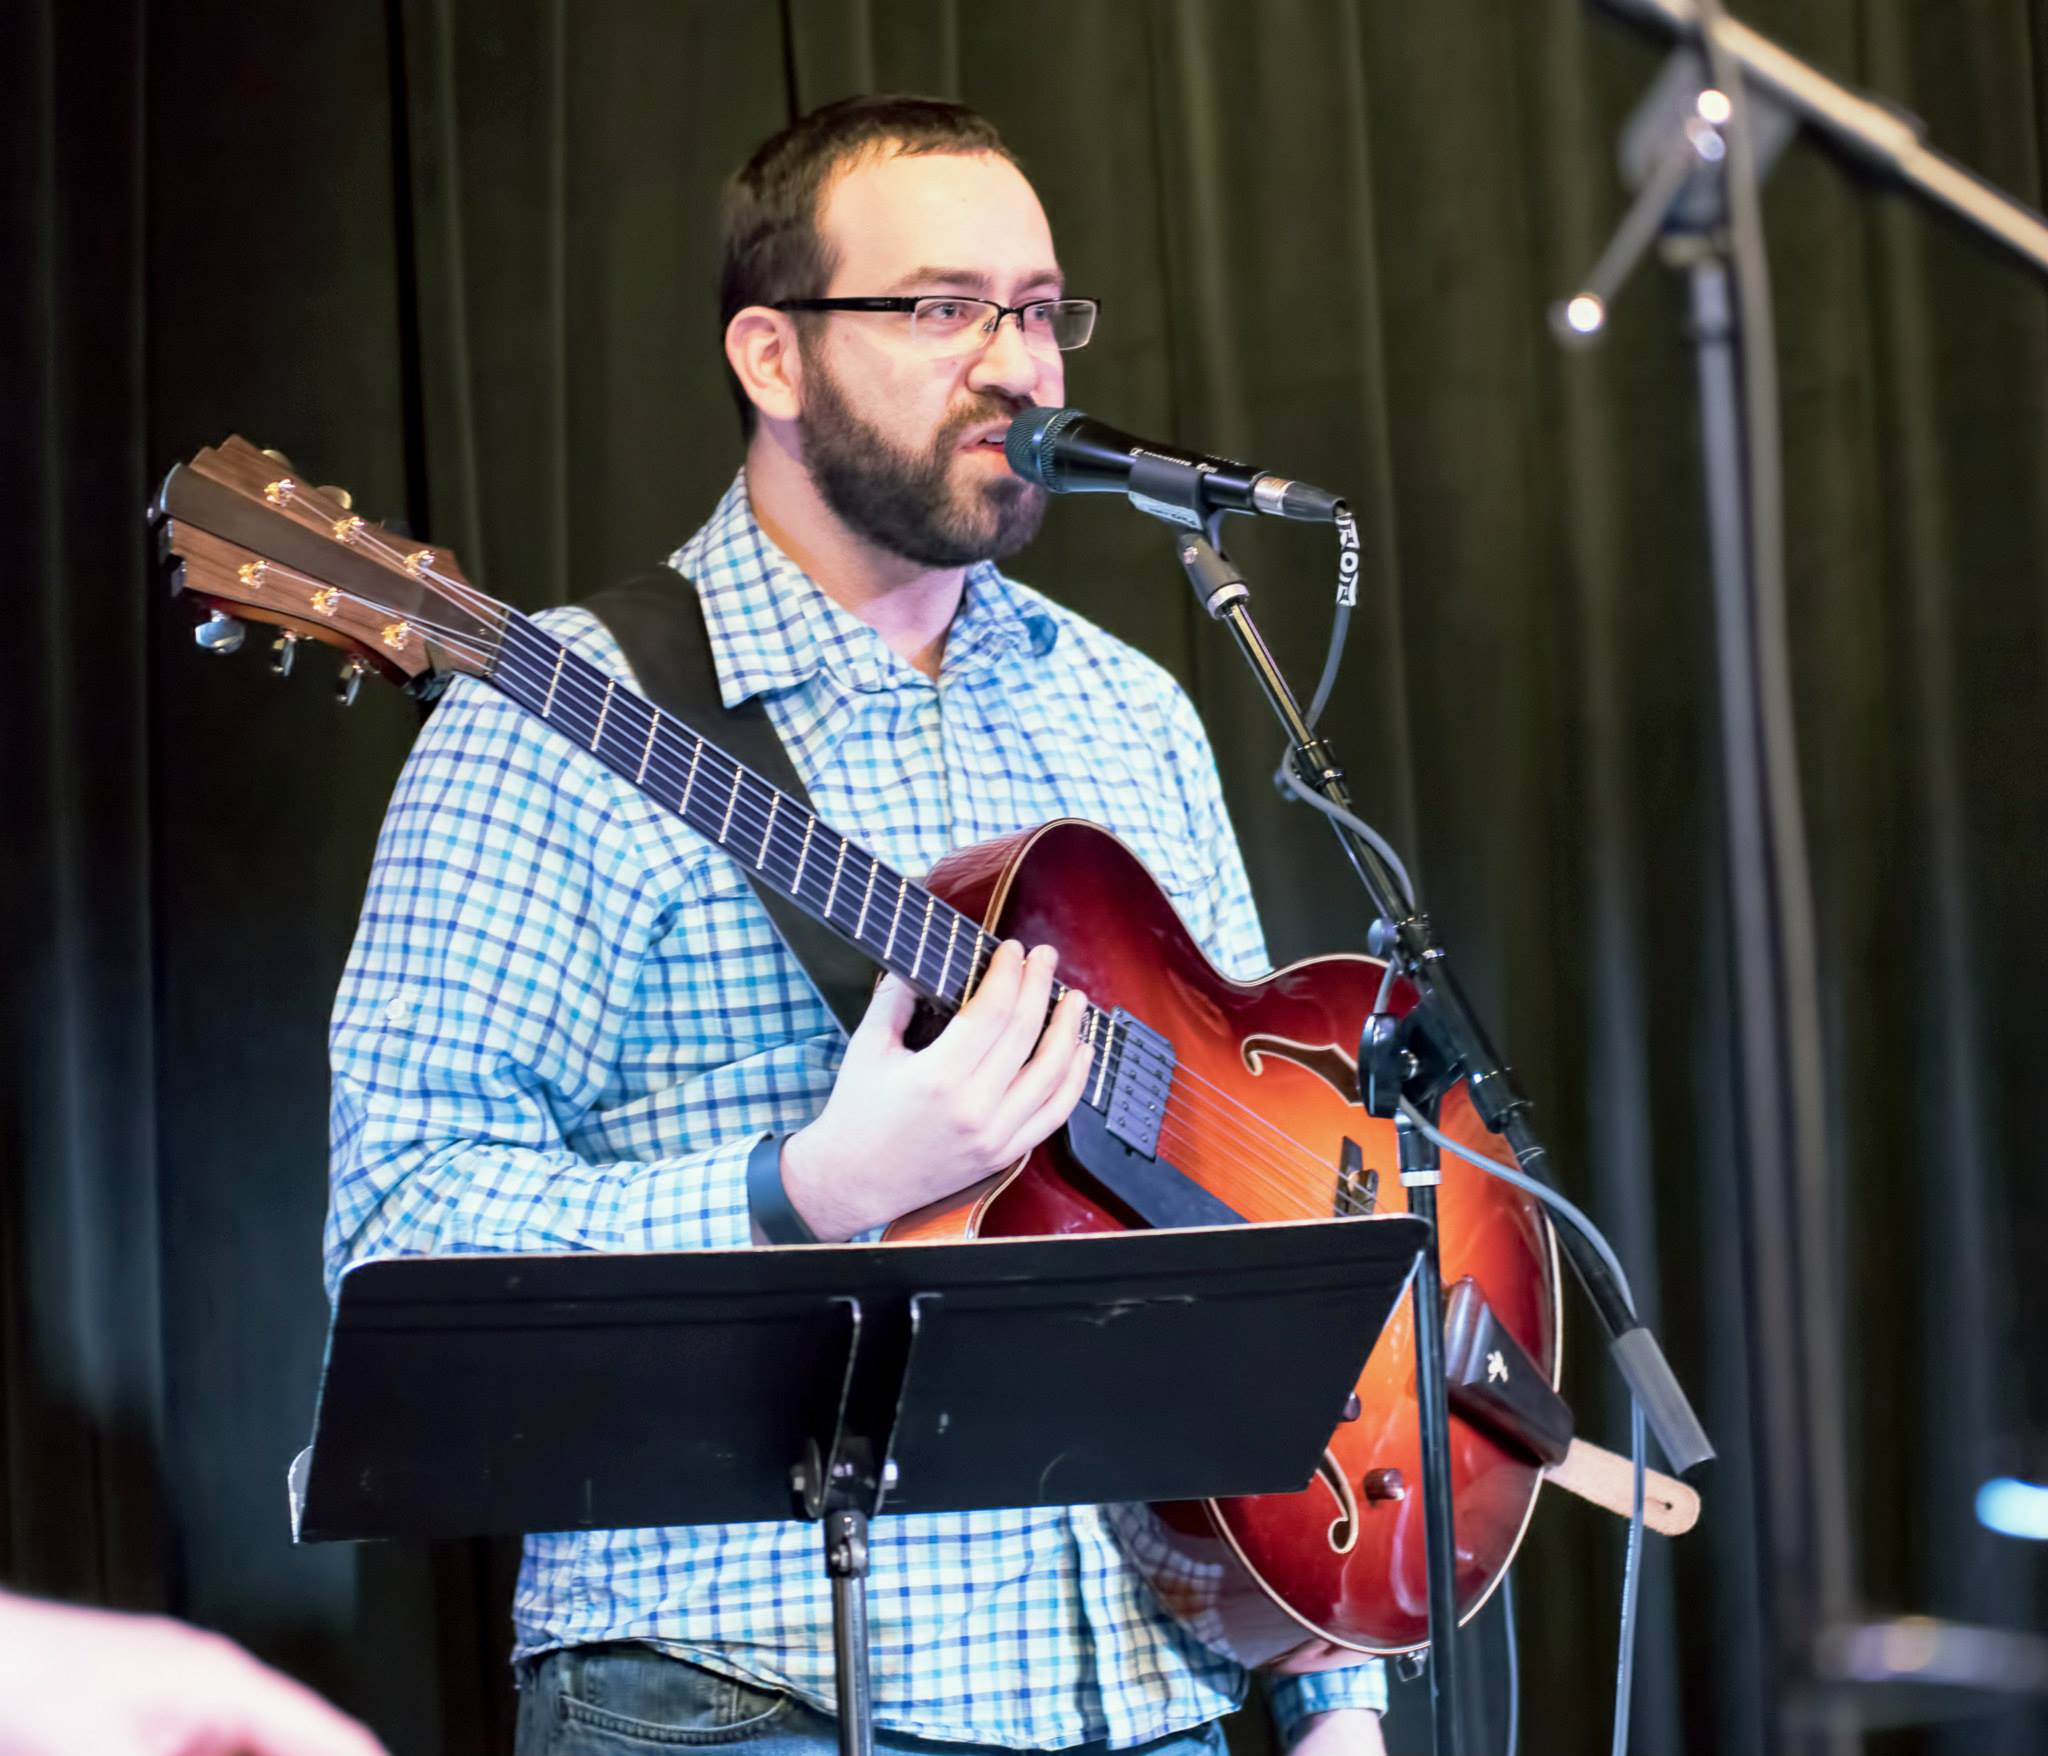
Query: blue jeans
(615, 1699)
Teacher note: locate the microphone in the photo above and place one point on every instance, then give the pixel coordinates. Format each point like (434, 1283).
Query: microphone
(1066, 452)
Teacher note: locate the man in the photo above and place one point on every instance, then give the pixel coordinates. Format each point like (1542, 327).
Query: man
(567, 1023)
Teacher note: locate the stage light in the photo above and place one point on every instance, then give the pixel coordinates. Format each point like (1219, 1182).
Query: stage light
(2014, 1508)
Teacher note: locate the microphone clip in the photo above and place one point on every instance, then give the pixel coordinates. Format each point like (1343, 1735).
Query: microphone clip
(1170, 488)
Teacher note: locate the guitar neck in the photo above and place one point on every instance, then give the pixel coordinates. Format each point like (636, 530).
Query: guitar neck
(901, 925)
(252, 538)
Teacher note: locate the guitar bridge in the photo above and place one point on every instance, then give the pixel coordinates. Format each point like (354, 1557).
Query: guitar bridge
(1358, 1189)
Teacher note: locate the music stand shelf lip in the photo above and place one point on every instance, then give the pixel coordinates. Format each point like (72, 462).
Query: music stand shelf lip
(593, 1390)
(754, 1252)
(629, 1274)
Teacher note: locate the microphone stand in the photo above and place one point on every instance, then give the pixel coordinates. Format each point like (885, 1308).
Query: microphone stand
(1867, 131)
(1415, 1059)
(1831, 1668)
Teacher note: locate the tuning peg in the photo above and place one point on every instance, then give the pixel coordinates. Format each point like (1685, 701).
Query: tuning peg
(341, 497)
(220, 632)
(350, 680)
(284, 648)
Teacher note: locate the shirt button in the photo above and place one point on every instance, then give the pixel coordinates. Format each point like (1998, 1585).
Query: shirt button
(397, 1011)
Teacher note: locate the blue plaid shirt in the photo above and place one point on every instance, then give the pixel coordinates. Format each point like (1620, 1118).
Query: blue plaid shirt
(567, 1019)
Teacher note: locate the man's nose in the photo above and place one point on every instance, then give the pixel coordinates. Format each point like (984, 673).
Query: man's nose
(1006, 363)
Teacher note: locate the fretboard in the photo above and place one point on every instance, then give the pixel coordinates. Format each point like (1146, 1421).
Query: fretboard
(901, 925)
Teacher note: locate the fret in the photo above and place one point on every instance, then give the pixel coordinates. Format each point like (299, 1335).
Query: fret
(547, 706)
(796, 884)
(604, 707)
(889, 941)
(653, 726)
(946, 962)
(690, 780)
(725, 827)
(761, 859)
(833, 890)
(973, 966)
(860, 921)
(930, 901)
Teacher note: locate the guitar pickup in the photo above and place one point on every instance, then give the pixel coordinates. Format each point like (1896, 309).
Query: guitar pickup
(1139, 1074)
(1494, 1383)
(1114, 1134)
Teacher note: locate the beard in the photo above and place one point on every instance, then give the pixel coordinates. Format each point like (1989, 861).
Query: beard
(910, 503)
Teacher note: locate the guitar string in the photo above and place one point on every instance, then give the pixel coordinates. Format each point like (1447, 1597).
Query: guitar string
(1273, 1173)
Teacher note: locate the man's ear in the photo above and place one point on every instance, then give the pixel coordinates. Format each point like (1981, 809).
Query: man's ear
(760, 345)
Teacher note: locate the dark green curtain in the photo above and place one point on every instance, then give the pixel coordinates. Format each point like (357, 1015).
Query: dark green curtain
(458, 256)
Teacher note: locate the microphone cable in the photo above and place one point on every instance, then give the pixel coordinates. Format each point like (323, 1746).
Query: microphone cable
(1291, 784)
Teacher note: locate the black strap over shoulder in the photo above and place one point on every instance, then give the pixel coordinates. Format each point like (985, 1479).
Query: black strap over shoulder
(659, 625)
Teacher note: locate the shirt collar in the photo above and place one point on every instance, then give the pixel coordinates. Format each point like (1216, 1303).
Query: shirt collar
(772, 628)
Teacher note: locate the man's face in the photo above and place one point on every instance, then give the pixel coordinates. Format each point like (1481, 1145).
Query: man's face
(905, 444)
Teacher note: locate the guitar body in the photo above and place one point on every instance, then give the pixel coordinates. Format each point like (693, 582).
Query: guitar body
(1264, 1097)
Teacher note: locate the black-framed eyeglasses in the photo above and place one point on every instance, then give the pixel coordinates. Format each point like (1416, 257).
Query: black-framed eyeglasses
(941, 323)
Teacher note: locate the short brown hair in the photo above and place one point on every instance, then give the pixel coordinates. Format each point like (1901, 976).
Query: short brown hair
(770, 247)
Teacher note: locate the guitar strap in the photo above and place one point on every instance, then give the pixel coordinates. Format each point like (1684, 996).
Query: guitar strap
(659, 624)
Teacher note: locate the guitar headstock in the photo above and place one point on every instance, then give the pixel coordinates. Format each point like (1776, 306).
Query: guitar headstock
(254, 542)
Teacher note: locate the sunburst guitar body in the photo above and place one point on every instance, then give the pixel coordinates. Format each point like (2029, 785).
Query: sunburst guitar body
(1262, 1101)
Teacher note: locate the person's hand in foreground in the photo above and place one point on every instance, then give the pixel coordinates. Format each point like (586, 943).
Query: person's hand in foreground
(79, 1682)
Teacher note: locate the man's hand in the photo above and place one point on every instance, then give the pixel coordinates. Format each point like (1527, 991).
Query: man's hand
(77, 1682)
(904, 1127)
(1346, 1731)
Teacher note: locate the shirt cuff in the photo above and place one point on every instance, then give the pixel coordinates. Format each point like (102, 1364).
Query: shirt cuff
(1293, 1699)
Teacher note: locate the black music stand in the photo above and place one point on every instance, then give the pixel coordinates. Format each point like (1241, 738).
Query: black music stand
(475, 1395)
